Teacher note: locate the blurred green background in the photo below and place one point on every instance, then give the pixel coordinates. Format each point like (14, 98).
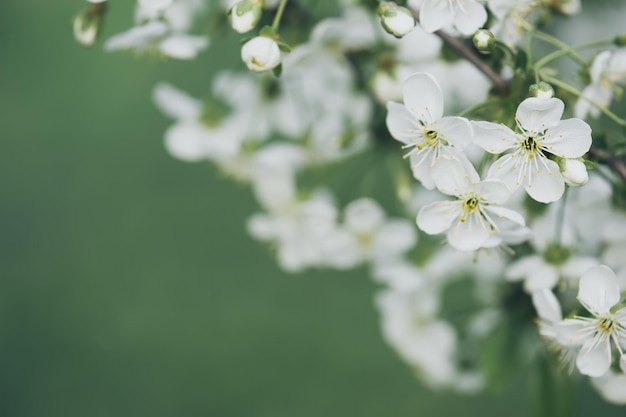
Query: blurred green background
(129, 284)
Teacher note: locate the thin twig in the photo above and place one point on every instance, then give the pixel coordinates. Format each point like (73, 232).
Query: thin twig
(617, 164)
(500, 84)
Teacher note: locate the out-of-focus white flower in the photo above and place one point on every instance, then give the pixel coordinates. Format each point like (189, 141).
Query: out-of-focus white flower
(419, 125)
(574, 172)
(568, 7)
(512, 18)
(476, 215)
(354, 30)
(465, 15)
(608, 71)
(367, 235)
(597, 335)
(541, 132)
(155, 36)
(261, 54)
(396, 20)
(87, 24)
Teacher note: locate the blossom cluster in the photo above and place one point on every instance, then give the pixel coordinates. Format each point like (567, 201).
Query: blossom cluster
(500, 201)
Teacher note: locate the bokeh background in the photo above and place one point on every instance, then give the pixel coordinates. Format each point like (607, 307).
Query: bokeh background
(129, 286)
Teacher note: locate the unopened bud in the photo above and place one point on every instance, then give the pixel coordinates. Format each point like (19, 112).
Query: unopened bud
(574, 172)
(261, 54)
(484, 40)
(245, 15)
(87, 24)
(567, 7)
(541, 90)
(396, 20)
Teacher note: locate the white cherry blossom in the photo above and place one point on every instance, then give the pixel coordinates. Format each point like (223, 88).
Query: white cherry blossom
(540, 132)
(596, 336)
(420, 125)
(476, 216)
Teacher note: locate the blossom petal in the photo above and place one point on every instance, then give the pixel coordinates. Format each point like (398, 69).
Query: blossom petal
(393, 239)
(453, 178)
(423, 97)
(401, 123)
(598, 290)
(569, 139)
(364, 216)
(547, 306)
(436, 217)
(456, 130)
(435, 14)
(469, 234)
(569, 332)
(469, 17)
(538, 114)
(176, 103)
(544, 183)
(493, 191)
(507, 169)
(521, 268)
(494, 138)
(506, 213)
(594, 359)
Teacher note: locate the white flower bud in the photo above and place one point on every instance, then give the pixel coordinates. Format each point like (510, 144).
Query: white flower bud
(396, 20)
(87, 24)
(542, 90)
(386, 87)
(245, 15)
(261, 54)
(574, 172)
(484, 40)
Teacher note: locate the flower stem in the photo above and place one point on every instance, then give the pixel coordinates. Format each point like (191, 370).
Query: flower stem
(279, 15)
(557, 43)
(567, 51)
(578, 94)
(478, 106)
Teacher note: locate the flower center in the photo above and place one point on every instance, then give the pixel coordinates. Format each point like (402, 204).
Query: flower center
(606, 325)
(530, 144)
(470, 206)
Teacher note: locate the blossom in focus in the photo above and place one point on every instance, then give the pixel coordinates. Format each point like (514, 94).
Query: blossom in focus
(475, 217)
(596, 335)
(261, 54)
(540, 132)
(420, 126)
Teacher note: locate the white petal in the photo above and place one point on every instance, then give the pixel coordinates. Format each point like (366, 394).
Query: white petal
(341, 250)
(436, 217)
(422, 171)
(423, 97)
(505, 213)
(493, 191)
(187, 141)
(469, 16)
(456, 130)
(522, 268)
(538, 114)
(364, 216)
(176, 103)
(544, 182)
(182, 46)
(547, 306)
(598, 289)
(452, 178)
(494, 138)
(393, 239)
(569, 332)
(569, 139)
(468, 235)
(543, 277)
(435, 14)
(594, 362)
(401, 124)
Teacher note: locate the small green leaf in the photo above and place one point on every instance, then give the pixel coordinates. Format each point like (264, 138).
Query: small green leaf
(284, 47)
(268, 32)
(245, 40)
(278, 70)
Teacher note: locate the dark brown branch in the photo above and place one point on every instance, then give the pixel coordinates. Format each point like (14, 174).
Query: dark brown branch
(617, 164)
(500, 84)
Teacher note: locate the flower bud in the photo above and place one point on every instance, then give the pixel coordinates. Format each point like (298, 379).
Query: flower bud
(396, 20)
(261, 54)
(484, 40)
(87, 24)
(567, 7)
(245, 15)
(574, 172)
(541, 90)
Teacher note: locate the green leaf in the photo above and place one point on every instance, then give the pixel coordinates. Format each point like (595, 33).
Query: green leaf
(278, 70)
(268, 32)
(284, 47)
(521, 60)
